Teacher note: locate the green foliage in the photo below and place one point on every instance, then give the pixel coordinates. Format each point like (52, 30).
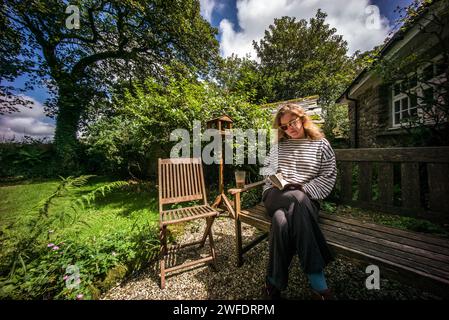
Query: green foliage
(114, 275)
(37, 247)
(35, 223)
(300, 58)
(365, 60)
(409, 14)
(90, 197)
(26, 159)
(336, 124)
(11, 44)
(145, 116)
(241, 76)
(127, 39)
(328, 207)
(251, 197)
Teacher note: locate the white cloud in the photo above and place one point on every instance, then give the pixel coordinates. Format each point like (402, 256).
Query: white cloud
(206, 8)
(354, 19)
(27, 122)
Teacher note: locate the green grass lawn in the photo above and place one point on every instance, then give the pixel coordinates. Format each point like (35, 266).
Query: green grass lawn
(19, 199)
(109, 233)
(106, 214)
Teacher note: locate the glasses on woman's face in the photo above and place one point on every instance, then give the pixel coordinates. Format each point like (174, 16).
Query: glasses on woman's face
(289, 124)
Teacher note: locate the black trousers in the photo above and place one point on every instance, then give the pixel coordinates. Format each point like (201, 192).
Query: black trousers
(294, 229)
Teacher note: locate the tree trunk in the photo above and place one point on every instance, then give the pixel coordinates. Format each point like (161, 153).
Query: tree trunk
(70, 108)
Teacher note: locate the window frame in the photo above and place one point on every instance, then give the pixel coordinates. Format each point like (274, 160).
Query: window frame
(400, 98)
(418, 91)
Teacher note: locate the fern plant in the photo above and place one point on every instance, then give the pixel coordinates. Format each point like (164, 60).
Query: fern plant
(24, 235)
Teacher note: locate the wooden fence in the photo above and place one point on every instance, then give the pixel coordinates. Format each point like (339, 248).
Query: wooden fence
(406, 181)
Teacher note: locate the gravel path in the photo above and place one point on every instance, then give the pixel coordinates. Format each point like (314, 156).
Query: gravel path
(345, 277)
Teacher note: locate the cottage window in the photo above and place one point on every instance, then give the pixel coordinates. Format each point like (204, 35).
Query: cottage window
(405, 104)
(418, 91)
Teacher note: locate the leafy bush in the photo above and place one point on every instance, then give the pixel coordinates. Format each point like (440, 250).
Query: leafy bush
(328, 207)
(138, 133)
(251, 197)
(27, 158)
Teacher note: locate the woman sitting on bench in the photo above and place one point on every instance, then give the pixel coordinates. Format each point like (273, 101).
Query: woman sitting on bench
(305, 159)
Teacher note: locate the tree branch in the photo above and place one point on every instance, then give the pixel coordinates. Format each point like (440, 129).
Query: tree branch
(79, 68)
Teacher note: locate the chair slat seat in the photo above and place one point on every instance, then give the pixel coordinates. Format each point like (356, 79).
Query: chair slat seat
(186, 214)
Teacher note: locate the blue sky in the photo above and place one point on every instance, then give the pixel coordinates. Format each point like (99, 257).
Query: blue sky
(363, 23)
(227, 9)
(239, 23)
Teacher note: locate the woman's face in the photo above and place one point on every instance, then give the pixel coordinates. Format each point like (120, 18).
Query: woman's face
(292, 125)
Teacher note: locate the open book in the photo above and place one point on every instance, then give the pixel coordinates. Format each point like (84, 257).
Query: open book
(279, 182)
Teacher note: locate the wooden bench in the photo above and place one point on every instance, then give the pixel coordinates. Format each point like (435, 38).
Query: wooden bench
(413, 257)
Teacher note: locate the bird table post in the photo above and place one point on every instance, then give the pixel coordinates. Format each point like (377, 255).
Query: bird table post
(222, 124)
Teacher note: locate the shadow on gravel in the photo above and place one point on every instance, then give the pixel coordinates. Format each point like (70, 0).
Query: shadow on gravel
(346, 277)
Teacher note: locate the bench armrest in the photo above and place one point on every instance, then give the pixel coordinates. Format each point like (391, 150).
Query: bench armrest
(247, 187)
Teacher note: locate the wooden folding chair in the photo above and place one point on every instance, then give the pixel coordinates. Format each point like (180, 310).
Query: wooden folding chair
(182, 180)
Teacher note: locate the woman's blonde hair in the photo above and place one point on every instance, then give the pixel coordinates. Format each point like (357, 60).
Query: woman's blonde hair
(311, 130)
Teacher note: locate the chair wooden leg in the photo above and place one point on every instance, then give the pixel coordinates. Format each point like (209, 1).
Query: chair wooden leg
(212, 246)
(209, 223)
(238, 242)
(163, 252)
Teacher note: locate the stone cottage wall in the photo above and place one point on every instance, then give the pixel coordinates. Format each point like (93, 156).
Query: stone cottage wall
(375, 120)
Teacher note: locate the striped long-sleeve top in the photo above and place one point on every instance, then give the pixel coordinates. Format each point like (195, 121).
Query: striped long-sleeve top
(310, 163)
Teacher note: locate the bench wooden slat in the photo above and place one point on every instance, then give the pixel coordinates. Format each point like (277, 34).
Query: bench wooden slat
(388, 236)
(203, 209)
(419, 278)
(424, 241)
(189, 181)
(401, 154)
(162, 169)
(403, 233)
(390, 258)
(259, 210)
(178, 179)
(256, 215)
(417, 249)
(182, 182)
(166, 191)
(196, 177)
(383, 246)
(183, 179)
(255, 220)
(191, 212)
